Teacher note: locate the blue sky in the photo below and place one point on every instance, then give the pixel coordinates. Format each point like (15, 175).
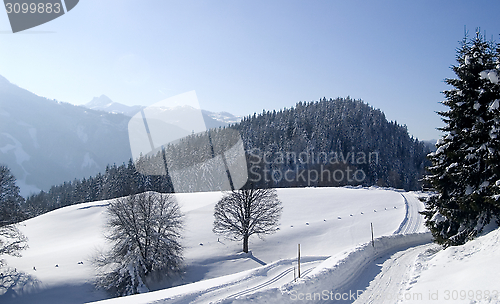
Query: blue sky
(246, 56)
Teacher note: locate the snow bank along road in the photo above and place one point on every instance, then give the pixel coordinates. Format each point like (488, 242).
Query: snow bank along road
(274, 283)
(390, 274)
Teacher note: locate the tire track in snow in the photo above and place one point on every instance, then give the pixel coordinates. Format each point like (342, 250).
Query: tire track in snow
(272, 280)
(260, 286)
(391, 272)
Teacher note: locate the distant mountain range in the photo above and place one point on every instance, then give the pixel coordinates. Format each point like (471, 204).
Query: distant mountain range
(45, 142)
(104, 103)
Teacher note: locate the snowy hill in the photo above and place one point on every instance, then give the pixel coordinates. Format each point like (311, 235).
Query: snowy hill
(331, 224)
(325, 221)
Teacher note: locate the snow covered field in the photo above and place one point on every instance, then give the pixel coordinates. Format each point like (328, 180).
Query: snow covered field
(331, 224)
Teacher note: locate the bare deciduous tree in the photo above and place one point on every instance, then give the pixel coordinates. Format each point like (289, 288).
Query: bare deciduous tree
(12, 241)
(145, 231)
(10, 199)
(242, 213)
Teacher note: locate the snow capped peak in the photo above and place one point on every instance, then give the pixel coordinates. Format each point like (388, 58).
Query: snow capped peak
(212, 119)
(104, 103)
(100, 101)
(224, 117)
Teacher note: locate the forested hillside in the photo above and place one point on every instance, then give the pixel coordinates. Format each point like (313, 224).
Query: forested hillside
(341, 134)
(325, 143)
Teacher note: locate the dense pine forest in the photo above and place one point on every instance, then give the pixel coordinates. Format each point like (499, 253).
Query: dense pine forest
(324, 143)
(341, 134)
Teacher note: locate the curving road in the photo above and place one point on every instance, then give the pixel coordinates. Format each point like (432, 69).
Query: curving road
(414, 221)
(393, 275)
(388, 278)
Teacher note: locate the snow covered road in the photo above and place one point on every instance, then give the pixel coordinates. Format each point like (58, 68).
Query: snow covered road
(414, 221)
(393, 274)
(386, 278)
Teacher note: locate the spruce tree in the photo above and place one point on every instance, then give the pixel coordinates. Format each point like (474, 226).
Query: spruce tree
(465, 167)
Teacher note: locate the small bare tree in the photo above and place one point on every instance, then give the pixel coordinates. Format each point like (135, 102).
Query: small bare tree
(12, 241)
(144, 230)
(242, 213)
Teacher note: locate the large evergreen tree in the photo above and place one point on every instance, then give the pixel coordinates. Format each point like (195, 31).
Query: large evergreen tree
(465, 167)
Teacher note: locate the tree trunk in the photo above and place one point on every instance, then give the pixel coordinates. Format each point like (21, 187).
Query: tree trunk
(245, 243)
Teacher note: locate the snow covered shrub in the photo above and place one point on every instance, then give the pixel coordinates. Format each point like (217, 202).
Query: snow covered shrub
(144, 231)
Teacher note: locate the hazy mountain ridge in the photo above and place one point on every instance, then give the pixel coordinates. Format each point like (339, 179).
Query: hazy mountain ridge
(46, 142)
(212, 119)
(104, 103)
